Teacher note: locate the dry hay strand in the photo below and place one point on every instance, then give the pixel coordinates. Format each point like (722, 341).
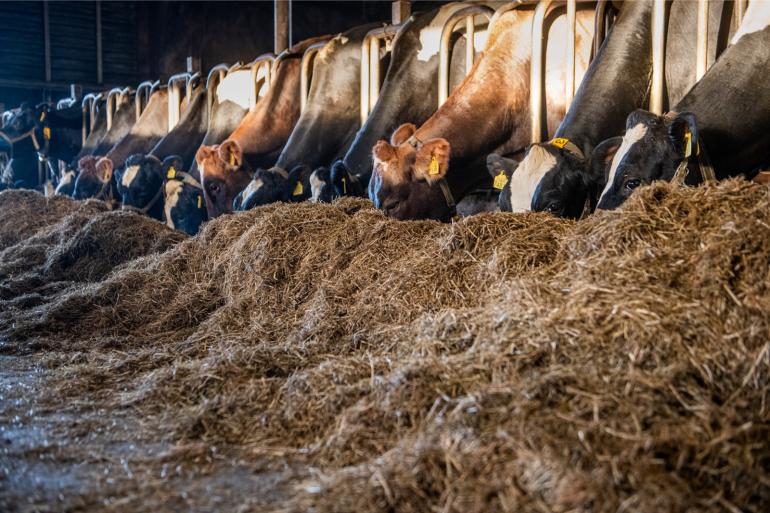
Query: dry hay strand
(503, 363)
(24, 212)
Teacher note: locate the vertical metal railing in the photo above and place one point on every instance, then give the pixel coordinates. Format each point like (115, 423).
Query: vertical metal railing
(370, 66)
(142, 96)
(308, 58)
(264, 63)
(658, 55)
(175, 96)
(214, 78)
(88, 107)
(113, 97)
(468, 15)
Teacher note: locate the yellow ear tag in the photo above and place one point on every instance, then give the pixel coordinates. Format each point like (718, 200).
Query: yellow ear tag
(171, 174)
(687, 144)
(42, 116)
(433, 167)
(232, 159)
(47, 133)
(500, 181)
(344, 186)
(298, 189)
(559, 142)
(200, 201)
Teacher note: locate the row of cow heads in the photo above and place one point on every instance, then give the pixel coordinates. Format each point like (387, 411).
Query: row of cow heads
(557, 177)
(145, 184)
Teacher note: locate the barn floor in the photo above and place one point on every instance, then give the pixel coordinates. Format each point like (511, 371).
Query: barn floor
(311, 357)
(90, 457)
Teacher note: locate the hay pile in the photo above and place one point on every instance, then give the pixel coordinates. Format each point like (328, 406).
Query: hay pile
(504, 363)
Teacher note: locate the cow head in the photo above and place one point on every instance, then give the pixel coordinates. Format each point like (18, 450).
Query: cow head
(66, 185)
(275, 184)
(501, 169)
(651, 149)
(321, 188)
(140, 182)
(224, 174)
(184, 208)
(94, 177)
(406, 177)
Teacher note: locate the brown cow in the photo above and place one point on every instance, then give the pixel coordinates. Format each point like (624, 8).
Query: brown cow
(488, 112)
(226, 168)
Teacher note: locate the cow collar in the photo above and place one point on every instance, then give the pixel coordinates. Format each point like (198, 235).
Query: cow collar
(148, 206)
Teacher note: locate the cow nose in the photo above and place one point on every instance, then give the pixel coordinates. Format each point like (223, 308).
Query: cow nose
(390, 205)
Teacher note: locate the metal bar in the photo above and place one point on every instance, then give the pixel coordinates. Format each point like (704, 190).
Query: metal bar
(304, 78)
(658, 55)
(370, 77)
(470, 45)
(365, 76)
(47, 41)
(112, 104)
(374, 72)
(265, 62)
(214, 78)
(400, 11)
(740, 11)
(142, 97)
(599, 26)
(282, 25)
(467, 13)
(88, 108)
(175, 98)
(99, 53)
(701, 57)
(569, 79)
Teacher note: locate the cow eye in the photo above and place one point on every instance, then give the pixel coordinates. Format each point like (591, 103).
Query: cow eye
(633, 184)
(554, 207)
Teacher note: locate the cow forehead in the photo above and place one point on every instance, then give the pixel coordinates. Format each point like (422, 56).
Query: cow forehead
(527, 177)
(396, 170)
(631, 137)
(316, 185)
(129, 176)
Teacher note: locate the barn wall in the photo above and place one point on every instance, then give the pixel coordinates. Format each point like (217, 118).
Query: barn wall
(150, 40)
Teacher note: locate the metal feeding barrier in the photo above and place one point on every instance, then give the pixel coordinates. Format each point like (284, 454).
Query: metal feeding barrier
(175, 95)
(308, 58)
(143, 93)
(468, 15)
(214, 78)
(88, 107)
(115, 97)
(263, 62)
(370, 65)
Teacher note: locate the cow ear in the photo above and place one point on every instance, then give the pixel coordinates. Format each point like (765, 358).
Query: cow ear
(683, 133)
(432, 160)
(230, 152)
(172, 162)
(296, 187)
(402, 134)
(497, 164)
(383, 151)
(104, 169)
(601, 158)
(203, 153)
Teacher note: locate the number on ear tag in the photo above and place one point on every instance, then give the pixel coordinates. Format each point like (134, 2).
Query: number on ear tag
(500, 181)
(559, 142)
(298, 189)
(687, 144)
(47, 133)
(171, 174)
(433, 167)
(344, 185)
(200, 201)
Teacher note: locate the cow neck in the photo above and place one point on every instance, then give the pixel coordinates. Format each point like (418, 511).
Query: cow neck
(185, 138)
(122, 122)
(151, 126)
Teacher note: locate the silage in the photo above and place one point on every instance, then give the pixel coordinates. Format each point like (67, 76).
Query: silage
(503, 363)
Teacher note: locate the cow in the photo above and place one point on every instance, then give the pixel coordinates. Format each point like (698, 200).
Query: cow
(37, 138)
(325, 129)
(258, 140)
(412, 178)
(141, 182)
(409, 93)
(719, 127)
(151, 126)
(557, 176)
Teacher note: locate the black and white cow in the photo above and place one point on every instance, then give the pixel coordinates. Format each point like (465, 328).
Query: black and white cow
(727, 114)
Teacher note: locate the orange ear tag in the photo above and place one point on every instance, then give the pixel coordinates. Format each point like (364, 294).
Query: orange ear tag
(433, 167)
(500, 181)
(298, 189)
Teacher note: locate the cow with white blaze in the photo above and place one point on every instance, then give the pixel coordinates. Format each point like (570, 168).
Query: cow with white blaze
(723, 119)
